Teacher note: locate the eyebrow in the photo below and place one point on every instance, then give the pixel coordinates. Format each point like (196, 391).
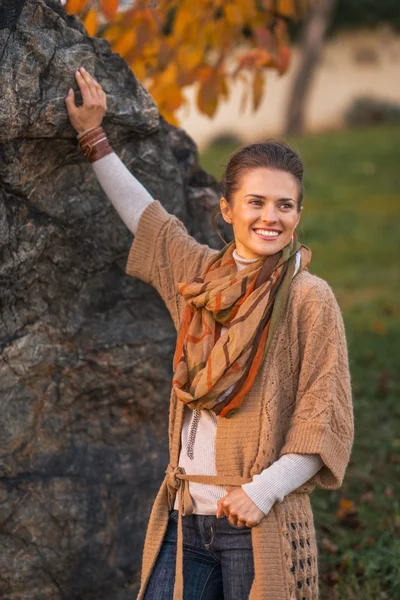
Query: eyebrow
(260, 197)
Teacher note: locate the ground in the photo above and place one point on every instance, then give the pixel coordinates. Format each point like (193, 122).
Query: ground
(351, 222)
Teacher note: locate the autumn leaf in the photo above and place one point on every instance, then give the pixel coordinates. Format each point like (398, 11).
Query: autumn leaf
(170, 117)
(125, 43)
(258, 88)
(283, 60)
(233, 15)
(207, 96)
(172, 44)
(378, 327)
(109, 8)
(259, 57)
(346, 508)
(113, 34)
(286, 8)
(76, 6)
(184, 23)
(90, 22)
(264, 38)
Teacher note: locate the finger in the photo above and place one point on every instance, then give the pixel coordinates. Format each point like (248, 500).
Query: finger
(220, 511)
(233, 521)
(70, 101)
(92, 78)
(91, 82)
(85, 91)
(251, 524)
(95, 88)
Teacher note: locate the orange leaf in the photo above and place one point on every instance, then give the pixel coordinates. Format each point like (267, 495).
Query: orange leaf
(207, 97)
(233, 15)
(258, 88)
(283, 60)
(184, 23)
(139, 69)
(378, 327)
(169, 116)
(112, 34)
(109, 8)
(90, 22)
(223, 88)
(125, 43)
(346, 507)
(204, 73)
(74, 7)
(258, 57)
(247, 9)
(168, 96)
(188, 57)
(287, 8)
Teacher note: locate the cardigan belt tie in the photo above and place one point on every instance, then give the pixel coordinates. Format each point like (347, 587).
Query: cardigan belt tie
(178, 482)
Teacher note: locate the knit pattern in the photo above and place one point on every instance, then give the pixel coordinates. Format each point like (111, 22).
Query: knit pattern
(300, 402)
(300, 550)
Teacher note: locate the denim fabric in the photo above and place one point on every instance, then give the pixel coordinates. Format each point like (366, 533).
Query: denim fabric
(217, 560)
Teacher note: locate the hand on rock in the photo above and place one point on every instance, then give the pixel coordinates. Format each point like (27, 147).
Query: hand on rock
(239, 509)
(94, 106)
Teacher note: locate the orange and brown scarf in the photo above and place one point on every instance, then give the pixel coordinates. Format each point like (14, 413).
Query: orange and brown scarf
(215, 371)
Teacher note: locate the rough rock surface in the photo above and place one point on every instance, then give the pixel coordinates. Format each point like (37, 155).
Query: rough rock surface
(85, 351)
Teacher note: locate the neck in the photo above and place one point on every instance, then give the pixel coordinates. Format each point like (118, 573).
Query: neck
(242, 262)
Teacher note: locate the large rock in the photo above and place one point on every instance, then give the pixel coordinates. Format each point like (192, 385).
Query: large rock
(85, 361)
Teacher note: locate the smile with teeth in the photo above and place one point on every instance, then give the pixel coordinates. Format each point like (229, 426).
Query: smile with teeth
(267, 234)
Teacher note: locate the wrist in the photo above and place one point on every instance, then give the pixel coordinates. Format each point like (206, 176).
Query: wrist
(264, 502)
(94, 144)
(83, 132)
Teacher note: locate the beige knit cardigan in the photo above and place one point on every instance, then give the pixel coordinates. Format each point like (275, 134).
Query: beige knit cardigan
(300, 403)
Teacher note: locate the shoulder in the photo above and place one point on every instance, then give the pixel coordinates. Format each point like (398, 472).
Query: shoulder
(309, 293)
(308, 287)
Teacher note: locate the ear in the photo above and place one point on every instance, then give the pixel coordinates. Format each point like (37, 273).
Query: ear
(225, 210)
(299, 216)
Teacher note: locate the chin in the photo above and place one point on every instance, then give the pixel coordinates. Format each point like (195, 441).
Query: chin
(267, 251)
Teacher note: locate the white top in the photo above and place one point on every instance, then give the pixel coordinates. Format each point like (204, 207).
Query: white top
(130, 199)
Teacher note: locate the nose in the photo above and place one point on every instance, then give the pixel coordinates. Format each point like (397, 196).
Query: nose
(269, 213)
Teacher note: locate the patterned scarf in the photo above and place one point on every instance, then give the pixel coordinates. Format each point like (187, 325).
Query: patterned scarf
(216, 371)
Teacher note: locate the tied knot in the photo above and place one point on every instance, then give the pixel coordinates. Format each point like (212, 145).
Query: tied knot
(173, 480)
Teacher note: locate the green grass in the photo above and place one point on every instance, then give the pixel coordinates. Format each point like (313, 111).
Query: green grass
(351, 222)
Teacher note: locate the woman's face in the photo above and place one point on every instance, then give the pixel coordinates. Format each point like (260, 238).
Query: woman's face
(263, 211)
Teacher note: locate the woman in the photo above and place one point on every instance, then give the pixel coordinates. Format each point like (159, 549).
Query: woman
(260, 405)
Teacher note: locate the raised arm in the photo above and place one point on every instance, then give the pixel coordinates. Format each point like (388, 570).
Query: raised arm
(163, 253)
(128, 196)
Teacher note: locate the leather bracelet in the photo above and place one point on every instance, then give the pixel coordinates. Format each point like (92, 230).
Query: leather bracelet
(94, 144)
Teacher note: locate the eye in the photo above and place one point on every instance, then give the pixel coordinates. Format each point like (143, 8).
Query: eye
(256, 202)
(287, 205)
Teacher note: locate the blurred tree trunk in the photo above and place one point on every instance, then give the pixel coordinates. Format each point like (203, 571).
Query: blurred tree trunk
(311, 44)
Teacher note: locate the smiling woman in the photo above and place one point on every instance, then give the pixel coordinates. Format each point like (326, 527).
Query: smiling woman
(260, 404)
(263, 197)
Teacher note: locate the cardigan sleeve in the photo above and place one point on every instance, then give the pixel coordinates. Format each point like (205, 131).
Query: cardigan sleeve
(163, 254)
(322, 422)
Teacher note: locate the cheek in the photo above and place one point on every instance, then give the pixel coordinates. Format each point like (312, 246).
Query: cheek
(291, 222)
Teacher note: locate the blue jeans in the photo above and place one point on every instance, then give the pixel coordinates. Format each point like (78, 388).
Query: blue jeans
(217, 560)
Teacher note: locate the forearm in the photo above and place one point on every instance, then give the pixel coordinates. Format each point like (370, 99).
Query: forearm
(284, 476)
(125, 192)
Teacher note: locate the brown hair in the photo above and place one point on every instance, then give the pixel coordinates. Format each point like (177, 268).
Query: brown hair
(270, 154)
